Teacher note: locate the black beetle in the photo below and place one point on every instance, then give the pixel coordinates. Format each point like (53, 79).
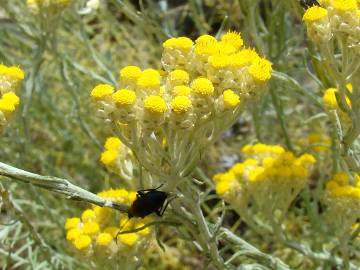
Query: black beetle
(148, 201)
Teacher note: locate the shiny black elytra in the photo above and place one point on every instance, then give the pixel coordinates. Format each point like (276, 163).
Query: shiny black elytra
(148, 201)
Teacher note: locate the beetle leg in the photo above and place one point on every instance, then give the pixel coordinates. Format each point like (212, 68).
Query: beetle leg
(141, 191)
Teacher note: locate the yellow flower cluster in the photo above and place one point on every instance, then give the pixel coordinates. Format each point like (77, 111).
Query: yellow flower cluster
(96, 230)
(332, 17)
(56, 5)
(117, 158)
(201, 92)
(10, 78)
(343, 200)
(270, 178)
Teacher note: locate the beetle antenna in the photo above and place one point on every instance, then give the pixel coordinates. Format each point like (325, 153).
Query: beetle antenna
(120, 229)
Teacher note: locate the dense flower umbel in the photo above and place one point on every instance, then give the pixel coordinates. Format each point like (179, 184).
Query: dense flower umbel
(177, 112)
(343, 200)
(269, 178)
(96, 229)
(10, 78)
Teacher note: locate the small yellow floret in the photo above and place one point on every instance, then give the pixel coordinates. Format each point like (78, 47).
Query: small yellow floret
(13, 72)
(124, 97)
(314, 13)
(181, 90)
(109, 156)
(82, 242)
(113, 231)
(72, 234)
(149, 78)
(202, 86)
(128, 239)
(234, 38)
(155, 104)
(244, 57)
(102, 90)
(91, 227)
(205, 38)
(329, 98)
(231, 100)
(222, 187)
(179, 76)
(72, 223)
(261, 70)
(208, 47)
(345, 5)
(112, 143)
(6, 106)
(220, 60)
(182, 43)
(180, 104)
(104, 239)
(130, 73)
(11, 97)
(87, 215)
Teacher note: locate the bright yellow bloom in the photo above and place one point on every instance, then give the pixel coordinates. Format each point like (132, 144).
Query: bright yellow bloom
(149, 78)
(101, 91)
(72, 234)
(104, 239)
(128, 239)
(6, 106)
(13, 72)
(124, 97)
(243, 58)
(180, 104)
(220, 60)
(11, 98)
(131, 73)
(112, 143)
(155, 104)
(202, 86)
(231, 100)
(82, 242)
(233, 38)
(179, 76)
(181, 90)
(182, 43)
(72, 223)
(91, 227)
(205, 39)
(87, 215)
(314, 13)
(109, 156)
(261, 70)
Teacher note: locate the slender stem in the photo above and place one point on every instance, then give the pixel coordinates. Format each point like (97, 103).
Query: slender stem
(59, 185)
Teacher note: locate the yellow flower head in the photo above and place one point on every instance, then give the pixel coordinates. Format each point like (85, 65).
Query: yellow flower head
(181, 90)
(72, 234)
(91, 227)
(261, 70)
(202, 86)
(6, 106)
(72, 223)
(130, 73)
(181, 43)
(220, 60)
(315, 13)
(82, 242)
(12, 72)
(344, 5)
(150, 78)
(180, 104)
(128, 239)
(231, 100)
(179, 76)
(205, 38)
(244, 58)
(104, 239)
(112, 143)
(87, 215)
(101, 91)
(124, 97)
(11, 97)
(234, 38)
(206, 47)
(155, 104)
(109, 156)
